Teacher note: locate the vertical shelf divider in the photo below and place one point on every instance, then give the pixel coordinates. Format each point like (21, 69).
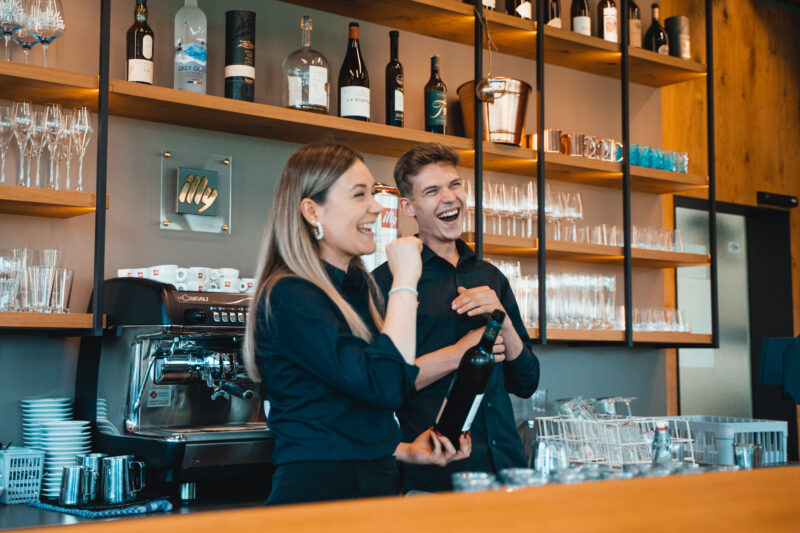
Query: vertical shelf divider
(622, 32)
(541, 225)
(480, 22)
(712, 178)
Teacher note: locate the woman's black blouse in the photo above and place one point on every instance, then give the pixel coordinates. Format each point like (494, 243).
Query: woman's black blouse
(332, 395)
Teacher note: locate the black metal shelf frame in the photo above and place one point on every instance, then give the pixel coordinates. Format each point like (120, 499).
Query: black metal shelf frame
(626, 172)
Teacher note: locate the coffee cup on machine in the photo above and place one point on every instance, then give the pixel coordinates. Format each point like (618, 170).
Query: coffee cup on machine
(124, 272)
(196, 274)
(165, 273)
(247, 285)
(229, 284)
(195, 285)
(212, 286)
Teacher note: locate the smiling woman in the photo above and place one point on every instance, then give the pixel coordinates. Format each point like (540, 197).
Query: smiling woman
(333, 366)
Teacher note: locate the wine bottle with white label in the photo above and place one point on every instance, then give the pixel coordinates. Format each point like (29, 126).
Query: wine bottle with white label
(435, 100)
(354, 81)
(607, 20)
(634, 25)
(139, 46)
(394, 84)
(466, 391)
(581, 17)
(306, 76)
(240, 55)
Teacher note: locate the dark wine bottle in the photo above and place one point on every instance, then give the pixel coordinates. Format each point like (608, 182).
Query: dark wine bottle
(354, 80)
(487, 4)
(656, 37)
(552, 15)
(607, 20)
(435, 100)
(634, 25)
(139, 46)
(520, 8)
(581, 17)
(394, 84)
(240, 55)
(469, 384)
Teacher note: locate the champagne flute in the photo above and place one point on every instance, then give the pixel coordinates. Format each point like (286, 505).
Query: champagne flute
(53, 123)
(66, 147)
(38, 140)
(82, 134)
(11, 15)
(22, 122)
(6, 133)
(48, 23)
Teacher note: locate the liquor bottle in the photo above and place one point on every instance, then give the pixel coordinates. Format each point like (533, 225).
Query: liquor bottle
(394, 84)
(662, 444)
(306, 76)
(435, 100)
(354, 81)
(487, 4)
(520, 8)
(552, 14)
(581, 17)
(139, 46)
(656, 37)
(634, 25)
(190, 49)
(466, 391)
(240, 55)
(607, 20)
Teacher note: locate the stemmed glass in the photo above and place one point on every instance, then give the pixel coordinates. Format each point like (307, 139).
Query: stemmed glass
(6, 132)
(54, 121)
(22, 121)
(48, 23)
(82, 134)
(66, 148)
(11, 15)
(24, 35)
(573, 211)
(38, 139)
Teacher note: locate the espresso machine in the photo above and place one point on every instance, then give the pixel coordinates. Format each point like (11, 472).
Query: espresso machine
(167, 384)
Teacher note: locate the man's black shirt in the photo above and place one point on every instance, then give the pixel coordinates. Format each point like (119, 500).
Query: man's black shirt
(495, 443)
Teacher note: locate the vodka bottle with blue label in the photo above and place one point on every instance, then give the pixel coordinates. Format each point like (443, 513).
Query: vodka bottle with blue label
(190, 49)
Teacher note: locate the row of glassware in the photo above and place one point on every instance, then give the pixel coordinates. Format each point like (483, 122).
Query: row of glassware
(31, 22)
(65, 134)
(34, 281)
(608, 149)
(584, 302)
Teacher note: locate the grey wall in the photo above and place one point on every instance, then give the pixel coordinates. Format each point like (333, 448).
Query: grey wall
(35, 365)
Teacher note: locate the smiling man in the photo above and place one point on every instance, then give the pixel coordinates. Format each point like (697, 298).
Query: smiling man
(457, 292)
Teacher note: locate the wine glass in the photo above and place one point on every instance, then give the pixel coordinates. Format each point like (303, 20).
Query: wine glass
(48, 23)
(82, 134)
(22, 123)
(24, 35)
(11, 14)
(54, 121)
(6, 133)
(38, 139)
(66, 147)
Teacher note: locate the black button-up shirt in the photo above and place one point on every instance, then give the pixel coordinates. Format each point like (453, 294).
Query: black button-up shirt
(495, 443)
(332, 395)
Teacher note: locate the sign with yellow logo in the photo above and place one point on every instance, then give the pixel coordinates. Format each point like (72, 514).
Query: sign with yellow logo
(197, 191)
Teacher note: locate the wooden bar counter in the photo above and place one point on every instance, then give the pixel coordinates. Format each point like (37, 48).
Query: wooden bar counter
(759, 500)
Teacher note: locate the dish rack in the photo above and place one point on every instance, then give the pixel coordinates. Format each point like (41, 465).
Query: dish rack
(614, 440)
(20, 474)
(715, 436)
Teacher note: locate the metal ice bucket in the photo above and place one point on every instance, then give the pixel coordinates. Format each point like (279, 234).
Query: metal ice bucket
(504, 117)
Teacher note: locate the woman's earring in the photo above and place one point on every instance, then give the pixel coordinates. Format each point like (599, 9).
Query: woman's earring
(319, 233)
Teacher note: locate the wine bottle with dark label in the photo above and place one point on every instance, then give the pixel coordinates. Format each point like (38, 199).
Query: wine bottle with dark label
(656, 37)
(240, 55)
(634, 25)
(394, 84)
(607, 20)
(581, 17)
(354, 81)
(435, 100)
(139, 47)
(466, 391)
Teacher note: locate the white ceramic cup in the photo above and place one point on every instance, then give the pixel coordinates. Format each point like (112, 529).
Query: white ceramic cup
(181, 274)
(247, 285)
(163, 273)
(212, 286)
(181, 286)
(212, 274)
(195, 285)
(229, 284)
(124, 272)
(140, 273)
(196, 274)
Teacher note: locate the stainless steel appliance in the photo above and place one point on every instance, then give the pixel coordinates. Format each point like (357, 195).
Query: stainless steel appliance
(167, 384)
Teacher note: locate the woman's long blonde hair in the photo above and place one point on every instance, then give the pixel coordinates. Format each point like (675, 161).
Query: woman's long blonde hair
(289, 248)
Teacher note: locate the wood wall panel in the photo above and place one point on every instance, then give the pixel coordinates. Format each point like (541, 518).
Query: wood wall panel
(757, 106)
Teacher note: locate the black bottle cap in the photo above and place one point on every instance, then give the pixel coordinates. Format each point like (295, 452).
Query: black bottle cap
(354, 24)
(498, 316)
(394, 33)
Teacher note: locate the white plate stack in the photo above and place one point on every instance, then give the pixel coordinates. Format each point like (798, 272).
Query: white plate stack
(62, 441)
(35, 411)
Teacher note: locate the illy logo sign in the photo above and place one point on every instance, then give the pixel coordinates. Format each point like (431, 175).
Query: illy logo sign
(389, 218)
(197, 192)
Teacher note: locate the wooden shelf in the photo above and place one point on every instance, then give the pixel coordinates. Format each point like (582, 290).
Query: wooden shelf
(47, 85)
(585, 253)
(452, 20)
(605, 335)
(33, 201)
(46, 320)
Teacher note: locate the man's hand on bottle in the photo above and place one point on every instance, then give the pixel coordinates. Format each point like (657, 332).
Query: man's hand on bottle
(482, 301)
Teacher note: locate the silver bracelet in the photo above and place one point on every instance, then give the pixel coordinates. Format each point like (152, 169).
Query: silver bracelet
(409, 289)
